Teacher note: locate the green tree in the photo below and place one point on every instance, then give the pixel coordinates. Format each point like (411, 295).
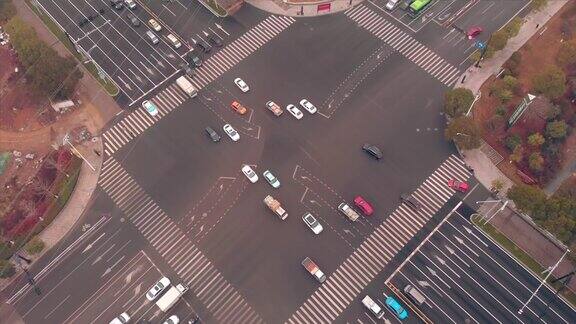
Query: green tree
(512, 141)
(536, 5)
(7, 10)
(567, 54)
(497, 185)
(556, 129)
(536, 161)
(34, 246)
(511, 83)
(513, 63)
(6, 269)
(498, 40)
(536, 139)
(457, 101)
(551, 82)
(518, 154)
(465, 132)
(527, 198)
(505, 95)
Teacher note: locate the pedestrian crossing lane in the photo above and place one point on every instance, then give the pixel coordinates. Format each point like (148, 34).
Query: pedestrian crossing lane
(405, 44)
(344, 285)
(191, 265)
(239, 49)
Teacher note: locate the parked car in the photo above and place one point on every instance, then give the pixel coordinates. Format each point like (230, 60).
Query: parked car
(458, 185)
(250, 174)
(473, 32)
(396, 308)
(274, 108)
(133, 19)
(364, 206)
(150, 107)
(231, 132)
(373, 150)
(308, 106)
(215, 40)
(272, 180)
(241, 85)
(237, 107)
(172, 320)
(131, 4)
(410, 201)
(158, 288)
(312, 223)
(294, 111)
(213, 134)
(154, 25)
(392, 4)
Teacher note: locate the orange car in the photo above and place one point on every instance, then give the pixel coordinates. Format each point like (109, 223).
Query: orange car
(238, 107)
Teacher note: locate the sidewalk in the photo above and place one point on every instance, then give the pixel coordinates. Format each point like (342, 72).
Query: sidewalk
(303, 8)
(484, 170)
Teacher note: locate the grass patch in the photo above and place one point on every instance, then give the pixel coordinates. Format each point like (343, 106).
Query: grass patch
(522, 257)
(4, 159)
(106, 83)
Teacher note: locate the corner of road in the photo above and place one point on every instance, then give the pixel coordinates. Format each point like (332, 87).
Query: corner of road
(303, 8)
(484, 169)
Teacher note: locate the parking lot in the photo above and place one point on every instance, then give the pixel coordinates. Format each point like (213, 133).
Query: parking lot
(125, 292)
(466, 278)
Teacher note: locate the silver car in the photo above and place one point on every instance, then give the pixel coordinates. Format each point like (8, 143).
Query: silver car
(158, 288)
(272, 180)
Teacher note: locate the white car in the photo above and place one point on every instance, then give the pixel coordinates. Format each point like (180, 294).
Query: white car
(312, 223)
(241, 85)
(392, 4)
(373, 306)
(158, 288)
(121, 319)
(272, 180)
(231, 132)
(130, 4)
(172, 320)
(308, 106)
(250, 174)
(294, 111)
(154, 25)
(150, 107)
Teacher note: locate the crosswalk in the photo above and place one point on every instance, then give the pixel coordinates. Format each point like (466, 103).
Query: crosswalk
(191, 265)
(405, 44)
(370, 258)
(139, 120)
(239, 49)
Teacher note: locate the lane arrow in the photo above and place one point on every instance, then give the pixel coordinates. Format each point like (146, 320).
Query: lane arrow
(89, 246)
(109, 269)
(222, 29)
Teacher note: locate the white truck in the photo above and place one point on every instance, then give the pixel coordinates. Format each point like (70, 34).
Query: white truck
(186, 86)
(171, 297)
(275, 206)
(348, 211)
(314, 270)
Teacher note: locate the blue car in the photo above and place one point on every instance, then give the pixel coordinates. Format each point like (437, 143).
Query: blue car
(396, 308)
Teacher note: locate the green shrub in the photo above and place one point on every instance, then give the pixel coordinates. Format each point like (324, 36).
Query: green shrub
(551, 82)
(536, 161)
(536, 139)
(34, 246)
(6, 269)
(513, 27)
(556, 129)
(457, 101)
(512, 141)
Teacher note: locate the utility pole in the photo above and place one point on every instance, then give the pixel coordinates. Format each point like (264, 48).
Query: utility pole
(483, 52)
(29, 277)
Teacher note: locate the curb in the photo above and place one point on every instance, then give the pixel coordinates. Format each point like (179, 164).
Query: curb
(202, 2)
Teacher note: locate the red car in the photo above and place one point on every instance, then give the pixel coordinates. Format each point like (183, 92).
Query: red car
(364, 206)
(458, 185)
(473, 32)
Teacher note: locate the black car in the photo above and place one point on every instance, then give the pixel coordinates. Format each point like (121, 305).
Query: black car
(212, 133)
(373, 150)
(410, 201)
(117, 4)
(214, 40)
(193, 59)
(187, 69)
(133, 20)
(205, 47)
(404, 4)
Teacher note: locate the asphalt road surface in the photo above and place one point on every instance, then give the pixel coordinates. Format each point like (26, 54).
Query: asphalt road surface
(173, 203)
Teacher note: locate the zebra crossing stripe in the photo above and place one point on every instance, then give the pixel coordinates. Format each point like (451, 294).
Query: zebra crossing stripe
(404, 44)
(163, 234)
(370, 258)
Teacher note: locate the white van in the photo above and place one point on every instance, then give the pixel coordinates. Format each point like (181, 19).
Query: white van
(152, 37)
(174, 41)
(414, 295)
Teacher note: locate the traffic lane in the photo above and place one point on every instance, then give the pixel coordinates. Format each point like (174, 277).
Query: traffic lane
(67, 18)
(68, 280)
(490, 15)
(517, 279)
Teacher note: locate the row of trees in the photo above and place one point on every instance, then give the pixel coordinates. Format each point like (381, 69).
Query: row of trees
(47, 73)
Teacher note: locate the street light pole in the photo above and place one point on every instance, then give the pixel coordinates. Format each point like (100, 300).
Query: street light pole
(67, 141)
(521, 310)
